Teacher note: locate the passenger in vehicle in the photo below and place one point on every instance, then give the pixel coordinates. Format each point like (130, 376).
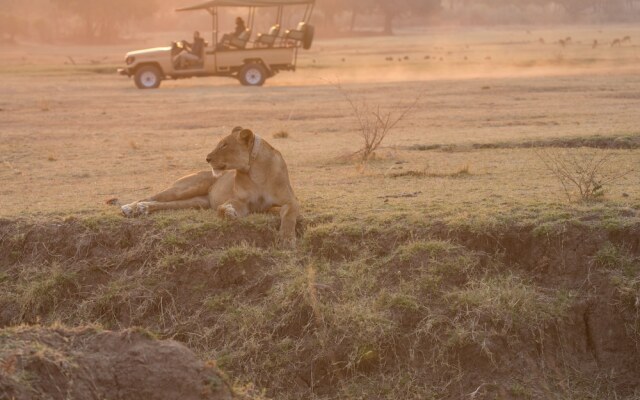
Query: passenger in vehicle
(240, 29)
(191, 52)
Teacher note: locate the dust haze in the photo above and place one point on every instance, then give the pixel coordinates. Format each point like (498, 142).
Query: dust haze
(486, 246)
(356, 40)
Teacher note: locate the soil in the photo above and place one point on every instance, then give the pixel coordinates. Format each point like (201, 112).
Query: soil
(87, 363)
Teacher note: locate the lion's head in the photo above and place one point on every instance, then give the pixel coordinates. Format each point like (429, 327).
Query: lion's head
(232, 152)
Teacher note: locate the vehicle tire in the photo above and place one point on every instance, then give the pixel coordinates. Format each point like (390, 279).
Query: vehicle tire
(307, 38)
(253, 74)
(147, 77)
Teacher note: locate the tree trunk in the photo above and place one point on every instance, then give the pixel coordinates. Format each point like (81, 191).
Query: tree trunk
(328, 19)
(354, 14)
(89, 28)
(388, 23)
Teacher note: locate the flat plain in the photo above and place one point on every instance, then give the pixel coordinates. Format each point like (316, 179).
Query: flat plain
(457, 197)
(74, 136)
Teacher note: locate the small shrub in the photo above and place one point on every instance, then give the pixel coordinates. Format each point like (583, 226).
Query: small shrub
(587, 172)
(373, 123)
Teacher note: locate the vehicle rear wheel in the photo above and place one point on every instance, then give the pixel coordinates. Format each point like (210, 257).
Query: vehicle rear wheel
(253, 74)
(147, 77)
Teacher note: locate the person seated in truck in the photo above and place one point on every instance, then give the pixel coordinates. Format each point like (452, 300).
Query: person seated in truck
(240, 29)
(191, 52)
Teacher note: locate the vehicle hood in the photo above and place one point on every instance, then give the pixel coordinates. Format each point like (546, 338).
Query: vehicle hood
(149, 52)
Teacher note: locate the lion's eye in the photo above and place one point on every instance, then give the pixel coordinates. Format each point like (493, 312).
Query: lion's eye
(224, 145)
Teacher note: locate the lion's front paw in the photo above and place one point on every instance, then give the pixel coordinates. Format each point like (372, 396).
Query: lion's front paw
(227, 211)
(128, 210)
(143, 208)
(136, 209)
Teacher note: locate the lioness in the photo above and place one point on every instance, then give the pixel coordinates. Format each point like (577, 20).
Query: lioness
(247, 176)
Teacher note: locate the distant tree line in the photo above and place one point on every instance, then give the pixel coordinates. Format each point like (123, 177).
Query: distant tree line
(105, 19)
(101, 21)
(87, 21)
(10, 26)
(573, 7)
(389, 9)
(394, 10)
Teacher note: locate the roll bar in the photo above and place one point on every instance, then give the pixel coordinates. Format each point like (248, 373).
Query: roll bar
(212, 7)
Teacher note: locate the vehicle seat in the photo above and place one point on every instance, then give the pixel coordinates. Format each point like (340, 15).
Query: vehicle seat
(200, 62)
(204, 49)
(268, 39)
(241, 41)
(296, 34)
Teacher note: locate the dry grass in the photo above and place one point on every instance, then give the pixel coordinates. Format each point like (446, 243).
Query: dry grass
(281, 135)
(133, 142)
(368, 308)
(395, 280)
(461, 172)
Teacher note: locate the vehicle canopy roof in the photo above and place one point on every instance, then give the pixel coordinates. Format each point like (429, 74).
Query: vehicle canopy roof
(245, 3)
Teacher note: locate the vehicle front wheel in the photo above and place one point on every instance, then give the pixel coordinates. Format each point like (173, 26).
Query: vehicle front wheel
(252, 75)
(147, 77)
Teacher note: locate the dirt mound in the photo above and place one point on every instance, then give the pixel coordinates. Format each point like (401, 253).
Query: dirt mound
(86, 363)
(597, 142)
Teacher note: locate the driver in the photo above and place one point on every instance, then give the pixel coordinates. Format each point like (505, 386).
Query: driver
(240, 28)
(191, 52)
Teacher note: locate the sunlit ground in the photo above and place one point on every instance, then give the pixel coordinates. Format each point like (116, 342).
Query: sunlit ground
(74, 135)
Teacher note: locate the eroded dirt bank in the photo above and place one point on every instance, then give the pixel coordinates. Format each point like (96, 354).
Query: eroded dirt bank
(400, 308)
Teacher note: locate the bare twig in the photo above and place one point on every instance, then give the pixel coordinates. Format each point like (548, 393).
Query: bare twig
(585, 172)
(373, 123)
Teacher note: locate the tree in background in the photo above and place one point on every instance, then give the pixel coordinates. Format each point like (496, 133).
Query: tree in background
(105, 19)
(12, 21)
(574, 9)
(577, 7)
(328, 9)
(10, 26)
(392, 9)
(358, 7)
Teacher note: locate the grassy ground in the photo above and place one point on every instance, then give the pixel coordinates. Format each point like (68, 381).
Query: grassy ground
(69, 141)
(452, 264)
(377, 307)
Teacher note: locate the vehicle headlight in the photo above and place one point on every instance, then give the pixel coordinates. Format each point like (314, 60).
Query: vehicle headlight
(129, 60)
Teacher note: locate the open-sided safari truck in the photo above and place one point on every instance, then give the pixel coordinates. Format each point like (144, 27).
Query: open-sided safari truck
(250, 60)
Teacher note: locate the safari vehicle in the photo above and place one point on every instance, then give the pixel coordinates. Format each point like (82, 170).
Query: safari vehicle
(252, 62)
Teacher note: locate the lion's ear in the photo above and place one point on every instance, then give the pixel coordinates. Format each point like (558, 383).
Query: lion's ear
(236, 129)
(246, 135)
